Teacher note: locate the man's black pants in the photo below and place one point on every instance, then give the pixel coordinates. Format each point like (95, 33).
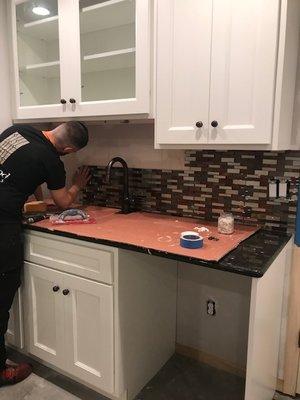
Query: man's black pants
(11, 262)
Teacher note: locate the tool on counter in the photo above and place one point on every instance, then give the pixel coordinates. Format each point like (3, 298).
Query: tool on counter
(72, 216)
(35, 207)
(32, 218)
(191, 240)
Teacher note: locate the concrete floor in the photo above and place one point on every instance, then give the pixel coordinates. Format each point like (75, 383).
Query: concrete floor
(35, 388)
(180, 379)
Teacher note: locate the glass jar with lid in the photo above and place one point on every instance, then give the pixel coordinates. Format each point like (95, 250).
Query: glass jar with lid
(226, 223)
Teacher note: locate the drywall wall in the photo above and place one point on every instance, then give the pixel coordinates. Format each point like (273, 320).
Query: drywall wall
(133, 142)
(5, 103)
(224, 335)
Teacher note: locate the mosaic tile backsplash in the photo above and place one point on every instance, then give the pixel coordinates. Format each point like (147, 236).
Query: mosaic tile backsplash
(212, 181)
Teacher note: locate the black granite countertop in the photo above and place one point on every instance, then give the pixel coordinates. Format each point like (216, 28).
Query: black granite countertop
(251, 258)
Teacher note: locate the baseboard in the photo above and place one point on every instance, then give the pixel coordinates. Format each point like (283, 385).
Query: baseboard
(280, 385)
(210, 359)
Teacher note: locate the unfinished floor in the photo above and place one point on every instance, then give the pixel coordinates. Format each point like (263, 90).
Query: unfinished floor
(180, 379)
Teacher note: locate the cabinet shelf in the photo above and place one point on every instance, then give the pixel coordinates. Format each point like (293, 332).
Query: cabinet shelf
(110, 60)
(46, 29)
(106, 15)
(48, 69)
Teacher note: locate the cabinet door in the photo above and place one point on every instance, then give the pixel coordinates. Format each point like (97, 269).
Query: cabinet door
(243, 68)
(14, 335)
(37, 59)
(183, 71)
(89, 331)
(44, 305)
(112, 58)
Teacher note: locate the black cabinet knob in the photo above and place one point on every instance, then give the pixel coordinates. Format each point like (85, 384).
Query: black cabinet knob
(72, 101)
(63, 101)
(66, 292)
(199, 124)
(55, 288)
(214, 124)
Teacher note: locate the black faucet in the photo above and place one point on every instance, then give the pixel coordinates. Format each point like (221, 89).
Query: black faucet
(126, 200)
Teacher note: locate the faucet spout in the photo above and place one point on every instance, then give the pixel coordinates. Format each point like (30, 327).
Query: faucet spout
(125, 200)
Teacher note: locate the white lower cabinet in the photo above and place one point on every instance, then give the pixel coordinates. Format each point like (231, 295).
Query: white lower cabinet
(89, 331)
(71, 324)
(14, 335)
(92, 312)
(44, 307)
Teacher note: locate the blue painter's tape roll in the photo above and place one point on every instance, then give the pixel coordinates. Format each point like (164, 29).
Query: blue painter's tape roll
(191, 240)
(297, 235)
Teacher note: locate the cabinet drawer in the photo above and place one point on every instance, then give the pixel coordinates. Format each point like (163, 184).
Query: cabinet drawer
(70, 255)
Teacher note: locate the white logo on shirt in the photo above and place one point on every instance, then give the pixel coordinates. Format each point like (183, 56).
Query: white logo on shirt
(9, 145)
(3, 176)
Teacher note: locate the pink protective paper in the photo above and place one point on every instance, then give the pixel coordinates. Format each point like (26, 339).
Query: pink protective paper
(154, 231)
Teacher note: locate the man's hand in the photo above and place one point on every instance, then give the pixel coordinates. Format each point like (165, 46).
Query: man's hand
(65, 197)
(81, 177)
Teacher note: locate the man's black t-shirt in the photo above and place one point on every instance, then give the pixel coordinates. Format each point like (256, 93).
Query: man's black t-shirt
(27, 159)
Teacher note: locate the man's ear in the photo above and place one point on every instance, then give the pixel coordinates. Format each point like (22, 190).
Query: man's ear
(68, 150)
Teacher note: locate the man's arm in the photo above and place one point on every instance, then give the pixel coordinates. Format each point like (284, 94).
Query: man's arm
(65, 197)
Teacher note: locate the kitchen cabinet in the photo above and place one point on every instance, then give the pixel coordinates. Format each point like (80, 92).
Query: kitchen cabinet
(108, 317)
(71, 324)
(86, 305)
(15, 335)
(46, 314)
(81, 58)
(223, 68)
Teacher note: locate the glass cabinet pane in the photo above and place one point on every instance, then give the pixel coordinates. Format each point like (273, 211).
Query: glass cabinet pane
(38, 52)
(107, 35)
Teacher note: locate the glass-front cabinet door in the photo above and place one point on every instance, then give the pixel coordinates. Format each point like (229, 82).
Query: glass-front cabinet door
(114, 57)
(81, 57)
(37, 58)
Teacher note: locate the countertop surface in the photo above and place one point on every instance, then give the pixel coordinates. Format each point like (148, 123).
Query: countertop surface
(158, 235)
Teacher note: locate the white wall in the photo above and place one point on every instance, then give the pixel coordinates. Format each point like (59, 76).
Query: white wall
(5, 101)
(296, 119)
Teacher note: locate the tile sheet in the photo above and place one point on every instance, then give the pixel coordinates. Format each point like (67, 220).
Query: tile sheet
(212, 181)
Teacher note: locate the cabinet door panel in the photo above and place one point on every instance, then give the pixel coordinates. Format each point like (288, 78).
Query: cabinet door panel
(46, 315)
(37, 59)
(183, 70)
(14, 335)
(114, 64)
(89, 331)
(244, 42)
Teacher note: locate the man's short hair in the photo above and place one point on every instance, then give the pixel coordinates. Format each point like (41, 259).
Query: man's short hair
(76, 134)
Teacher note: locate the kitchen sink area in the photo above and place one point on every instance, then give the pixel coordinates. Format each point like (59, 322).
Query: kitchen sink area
(149, 199)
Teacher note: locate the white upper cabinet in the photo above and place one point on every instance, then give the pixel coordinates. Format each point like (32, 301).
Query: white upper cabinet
(183, 70)
(217, 65)
(36, 60)
(81, 58)
(243, 67)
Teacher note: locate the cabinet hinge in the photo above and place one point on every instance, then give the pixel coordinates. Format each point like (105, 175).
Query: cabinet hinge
(299, 340)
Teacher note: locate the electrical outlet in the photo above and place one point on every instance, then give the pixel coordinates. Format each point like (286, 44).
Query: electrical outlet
(211, 308)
